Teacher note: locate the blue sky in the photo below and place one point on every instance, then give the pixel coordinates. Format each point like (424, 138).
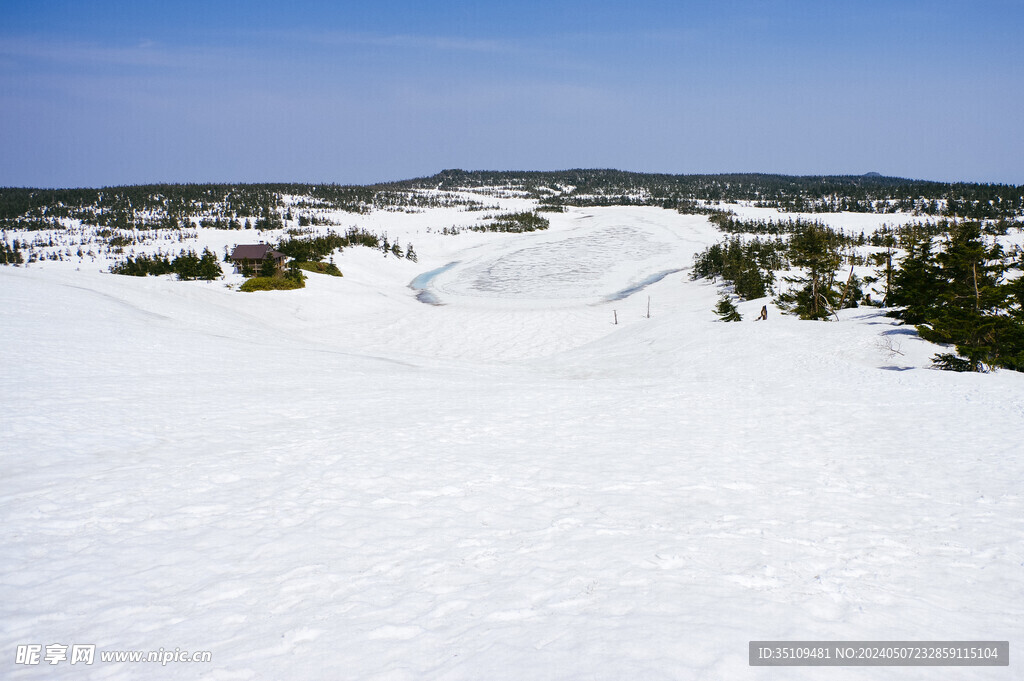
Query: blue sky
(98, 93)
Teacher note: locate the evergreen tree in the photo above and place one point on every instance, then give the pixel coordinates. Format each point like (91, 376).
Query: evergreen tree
(186, 266)
(726, 310)
(10, 255)
(293, 273)
(971, 300)
(268, 268)
(816, 248)
(208, 268)
(916, 285)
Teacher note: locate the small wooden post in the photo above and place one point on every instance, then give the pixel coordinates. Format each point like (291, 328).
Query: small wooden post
(616, 315)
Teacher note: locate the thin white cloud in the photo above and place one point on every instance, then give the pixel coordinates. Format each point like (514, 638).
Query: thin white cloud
(400, 41)
(19, 52)
(143, 54)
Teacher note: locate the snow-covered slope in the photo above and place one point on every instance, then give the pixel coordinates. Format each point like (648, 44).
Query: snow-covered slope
(342, 482)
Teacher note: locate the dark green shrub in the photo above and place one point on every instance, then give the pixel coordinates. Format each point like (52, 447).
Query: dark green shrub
(947, 361)
(320, 268)
(284, 283)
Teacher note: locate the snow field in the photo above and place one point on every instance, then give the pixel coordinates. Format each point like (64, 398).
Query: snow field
(343, 482)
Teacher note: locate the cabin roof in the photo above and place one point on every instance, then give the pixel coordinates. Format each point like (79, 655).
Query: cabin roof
(254, 252)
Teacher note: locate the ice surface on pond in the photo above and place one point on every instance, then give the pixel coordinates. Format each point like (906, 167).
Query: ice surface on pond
(572, 268)
(588, 262)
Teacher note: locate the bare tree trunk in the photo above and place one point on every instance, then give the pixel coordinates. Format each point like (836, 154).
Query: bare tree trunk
(977, 294)
(846, 289)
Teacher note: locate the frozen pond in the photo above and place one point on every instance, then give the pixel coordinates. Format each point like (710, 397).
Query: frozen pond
(599, 259)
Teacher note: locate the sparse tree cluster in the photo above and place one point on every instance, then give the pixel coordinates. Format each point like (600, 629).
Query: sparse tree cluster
(316, 247)
(749, 265)
(515, 222)
(187, 266)
(10, 254)
(954, 281)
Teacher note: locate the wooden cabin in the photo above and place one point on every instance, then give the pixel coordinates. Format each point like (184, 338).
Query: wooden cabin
(250, 257)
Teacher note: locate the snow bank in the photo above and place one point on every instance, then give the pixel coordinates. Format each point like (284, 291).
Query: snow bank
(343, 482)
